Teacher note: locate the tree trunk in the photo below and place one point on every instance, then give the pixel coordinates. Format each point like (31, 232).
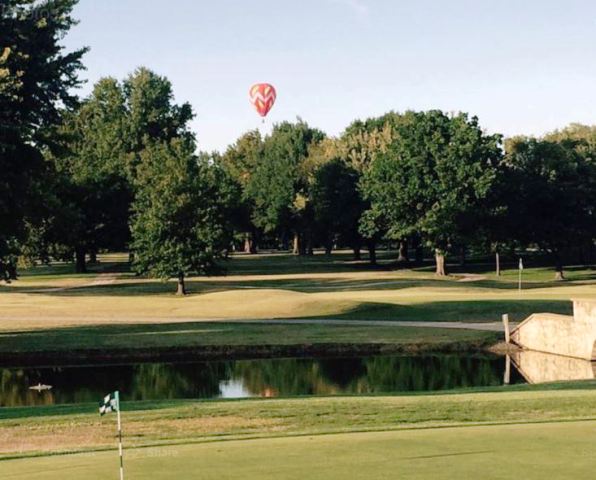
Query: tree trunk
(250, 242)
(93, 256)
(462, 256)
(296, 247)
(285, 243)
(181, 285)
(497, 264)
(11, 269)
(372, 252)
(80, 265)
(4, 273)
(254, 243)
(309, 250)
(559, 275)
(329, 246)
(357, 253)
(440, 263)
(403, 252)
(247, 243)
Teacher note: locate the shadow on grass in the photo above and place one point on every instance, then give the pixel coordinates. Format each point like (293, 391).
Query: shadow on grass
(455, 311)
(68, 269)
(135, 287)
(286, 264)
(163, 332)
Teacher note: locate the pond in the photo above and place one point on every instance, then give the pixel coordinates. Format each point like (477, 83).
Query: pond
(252, 378)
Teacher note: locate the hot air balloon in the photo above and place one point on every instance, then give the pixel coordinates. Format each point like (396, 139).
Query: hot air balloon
(262, 96)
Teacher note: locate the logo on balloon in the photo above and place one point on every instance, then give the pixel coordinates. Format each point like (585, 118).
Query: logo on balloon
(262, 96)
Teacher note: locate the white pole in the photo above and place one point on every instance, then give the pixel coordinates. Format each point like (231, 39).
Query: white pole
(117, 394)
(505, 318)
(521, 267)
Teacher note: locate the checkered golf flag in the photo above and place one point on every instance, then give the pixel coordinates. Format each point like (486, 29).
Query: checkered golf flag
(108, 404)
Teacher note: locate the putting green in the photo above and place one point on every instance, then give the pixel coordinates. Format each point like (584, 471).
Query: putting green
(528, 451)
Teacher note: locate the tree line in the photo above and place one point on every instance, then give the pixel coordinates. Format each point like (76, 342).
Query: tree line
(421, 180)
(120, 170)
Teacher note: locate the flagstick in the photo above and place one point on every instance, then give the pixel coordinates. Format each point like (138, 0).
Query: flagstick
(117, 394)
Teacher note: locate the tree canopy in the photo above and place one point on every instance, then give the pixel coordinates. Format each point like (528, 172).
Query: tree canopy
(433, 178)
(37, 78)
(120, 170)
(178, 225)
(279, 183)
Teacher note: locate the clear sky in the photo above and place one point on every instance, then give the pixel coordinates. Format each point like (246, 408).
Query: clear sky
(525, 66)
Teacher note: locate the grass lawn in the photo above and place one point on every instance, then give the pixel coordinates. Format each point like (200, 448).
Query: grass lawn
(50, 308)
(204, 334)
(500, 433)
(534, 452)
(283, 286)
(527, 432)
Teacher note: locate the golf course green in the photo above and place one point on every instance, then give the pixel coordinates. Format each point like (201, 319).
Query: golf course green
(502, 432)
(499, 433)
(533, 452)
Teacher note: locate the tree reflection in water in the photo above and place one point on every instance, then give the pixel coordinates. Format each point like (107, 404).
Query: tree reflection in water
(275, 377)
(182, 380)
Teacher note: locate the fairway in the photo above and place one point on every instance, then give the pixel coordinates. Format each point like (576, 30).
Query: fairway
(110, 310)
(58, 429)
(538, 451)
(282, 286)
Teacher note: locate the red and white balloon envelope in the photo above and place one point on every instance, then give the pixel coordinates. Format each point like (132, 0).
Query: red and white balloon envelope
(262, 96)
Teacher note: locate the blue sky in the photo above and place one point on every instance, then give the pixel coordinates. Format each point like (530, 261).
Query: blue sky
(523, 66)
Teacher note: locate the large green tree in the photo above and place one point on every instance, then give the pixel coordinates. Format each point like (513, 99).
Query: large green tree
(337, 205)
(363, 140)
(152, 114)
(360, 143)
(582, 139)
(101, 147)
(37, 77)
(551, 190)
(92, 163)
(179, 220)
(279, 184)
(240, 160)
(230, 200)
(36, 74)
(433, 179)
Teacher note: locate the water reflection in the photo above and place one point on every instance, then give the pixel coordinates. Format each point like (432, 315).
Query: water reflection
(538, 367)
(251, 378)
